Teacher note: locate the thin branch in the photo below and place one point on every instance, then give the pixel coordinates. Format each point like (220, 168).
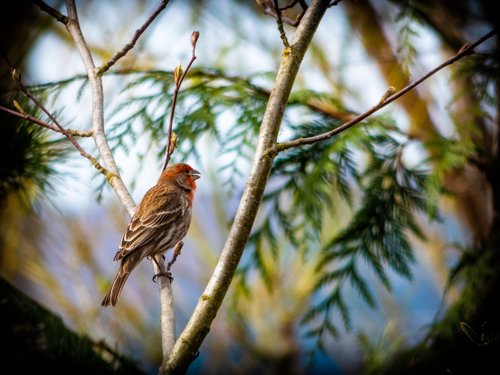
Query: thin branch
(30, 118)
(279, 22)
(95, 163)
(51, 11)
(34, 120)
(118, 55)
(178, 79)
(464, 51)
(99, 134)
(197, 328)
(269, 7)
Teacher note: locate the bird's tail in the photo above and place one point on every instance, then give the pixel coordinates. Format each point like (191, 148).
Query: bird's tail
(116, 288)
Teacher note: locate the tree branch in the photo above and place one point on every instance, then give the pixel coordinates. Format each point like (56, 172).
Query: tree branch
(178, 79)
(118, 55)
(198, 326)
(99, 135)
(271, 8)
(51, 11)
(464, 51)
(279, 22)
(34, 120)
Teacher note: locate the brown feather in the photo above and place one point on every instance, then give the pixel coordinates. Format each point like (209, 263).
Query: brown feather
(161, 220)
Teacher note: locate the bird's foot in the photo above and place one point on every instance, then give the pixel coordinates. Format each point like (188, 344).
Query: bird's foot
(167, 274)
(177, 252)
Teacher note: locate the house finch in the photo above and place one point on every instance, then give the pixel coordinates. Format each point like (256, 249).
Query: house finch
(160, 222)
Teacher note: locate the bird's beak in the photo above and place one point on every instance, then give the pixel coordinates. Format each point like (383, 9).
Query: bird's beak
(195, 174)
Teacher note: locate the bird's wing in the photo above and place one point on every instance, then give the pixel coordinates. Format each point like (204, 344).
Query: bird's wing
(147, 224)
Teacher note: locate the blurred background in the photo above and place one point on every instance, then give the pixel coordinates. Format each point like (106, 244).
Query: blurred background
(291, 308)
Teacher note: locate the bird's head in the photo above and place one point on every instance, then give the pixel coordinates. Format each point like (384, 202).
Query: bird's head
(182, 174)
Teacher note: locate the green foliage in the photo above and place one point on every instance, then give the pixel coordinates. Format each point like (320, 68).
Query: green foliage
(363, 167)
(28, 154)
(305, 181)
(226, 109)
(447, 154)
(376, 238)
(405, 23)
(477, 78)
(301, 192)
(482, 69)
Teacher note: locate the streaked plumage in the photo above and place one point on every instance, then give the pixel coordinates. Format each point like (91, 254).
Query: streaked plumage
(161, 221)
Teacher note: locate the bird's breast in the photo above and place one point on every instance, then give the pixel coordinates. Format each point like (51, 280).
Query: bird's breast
(177, 229)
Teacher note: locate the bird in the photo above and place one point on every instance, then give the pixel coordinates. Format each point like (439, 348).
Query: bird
(160, 222)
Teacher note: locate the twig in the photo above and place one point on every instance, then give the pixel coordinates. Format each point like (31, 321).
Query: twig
(95, 163)
(464, 51)
(179, 76)
(269, 7)
(51, 11)
(28, 117)
(118, 55)
(279, 22)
